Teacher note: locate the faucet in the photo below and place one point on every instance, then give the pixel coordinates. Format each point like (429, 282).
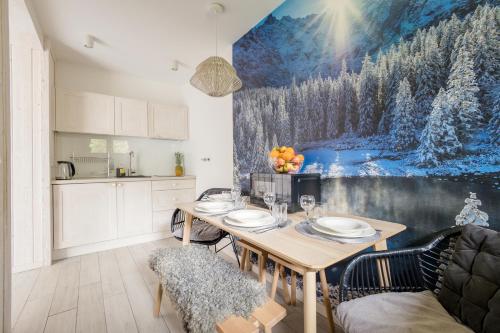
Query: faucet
(131, 155)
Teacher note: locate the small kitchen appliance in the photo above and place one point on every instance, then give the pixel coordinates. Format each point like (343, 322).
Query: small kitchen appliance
(65, 170)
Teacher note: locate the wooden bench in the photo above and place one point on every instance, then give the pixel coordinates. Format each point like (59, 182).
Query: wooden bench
(265, 316)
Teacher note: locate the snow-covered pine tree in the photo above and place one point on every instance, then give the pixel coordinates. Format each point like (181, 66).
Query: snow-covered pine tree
(351, 112)
(429, 78)
(393, 79)
(403, 133)
(332, 128)
(283, 121)
(367, 99)
(461, 93)
(494, 123)
(438, 140)
(292, 107)
(485, 53)
(451, 30)
(382, 79)
(471, 214)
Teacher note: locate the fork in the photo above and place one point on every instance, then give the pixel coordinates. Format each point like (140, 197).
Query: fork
(275, 226)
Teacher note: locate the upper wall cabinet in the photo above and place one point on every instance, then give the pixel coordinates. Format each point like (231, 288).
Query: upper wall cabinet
(168, 122)
(84, 112)
(131, 117)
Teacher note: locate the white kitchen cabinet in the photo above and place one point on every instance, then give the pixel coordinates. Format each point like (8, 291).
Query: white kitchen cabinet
(84, 112)
(168, 122)
(162, 220)
(166, 200)
(134, 208)
(84, 213)
(131, 117)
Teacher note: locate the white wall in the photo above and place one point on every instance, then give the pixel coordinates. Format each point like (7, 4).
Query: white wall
(81, 77)
(29, 143)
(210, 125)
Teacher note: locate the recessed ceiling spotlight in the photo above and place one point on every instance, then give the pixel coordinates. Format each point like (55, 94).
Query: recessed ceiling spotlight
(89, 42)
(174, 66)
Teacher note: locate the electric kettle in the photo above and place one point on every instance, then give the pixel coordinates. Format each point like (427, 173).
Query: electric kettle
(65, 170)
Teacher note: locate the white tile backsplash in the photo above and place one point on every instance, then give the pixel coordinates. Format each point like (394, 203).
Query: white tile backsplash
(152, 156)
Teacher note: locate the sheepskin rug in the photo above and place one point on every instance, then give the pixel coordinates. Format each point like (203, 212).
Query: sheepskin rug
(204, 287)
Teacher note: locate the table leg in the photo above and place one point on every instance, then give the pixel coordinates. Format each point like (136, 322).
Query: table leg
(310, 302)
(262, 268)
(186, 236)
(326, 299)
(293, 296)
(382, 265)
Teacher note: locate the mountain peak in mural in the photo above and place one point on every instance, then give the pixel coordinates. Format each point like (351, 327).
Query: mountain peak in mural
(298, 47)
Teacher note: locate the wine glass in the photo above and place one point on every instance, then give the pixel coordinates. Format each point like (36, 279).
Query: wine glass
(307, 203)
(235, 193)
(269, 199)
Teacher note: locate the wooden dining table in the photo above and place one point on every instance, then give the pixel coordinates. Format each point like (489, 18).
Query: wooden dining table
(310, 254)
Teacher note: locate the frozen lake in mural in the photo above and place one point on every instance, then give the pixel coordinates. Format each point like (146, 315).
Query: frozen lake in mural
(348, 157)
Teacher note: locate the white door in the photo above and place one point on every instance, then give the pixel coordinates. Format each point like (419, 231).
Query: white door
(134, 208)
(131, 117)
(168, 122)
(84, 112)
(84, 214)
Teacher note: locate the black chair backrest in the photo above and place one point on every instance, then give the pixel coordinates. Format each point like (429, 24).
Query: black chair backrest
(178, 217)
(471, 283)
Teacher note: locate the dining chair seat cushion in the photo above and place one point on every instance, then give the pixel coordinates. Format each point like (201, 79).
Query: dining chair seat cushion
(201, 232)
(402, 312)
(205, 288)
(471, 282)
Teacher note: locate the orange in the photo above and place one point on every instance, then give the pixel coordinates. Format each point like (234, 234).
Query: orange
(300, 157)
(288, 156)
(274, 153)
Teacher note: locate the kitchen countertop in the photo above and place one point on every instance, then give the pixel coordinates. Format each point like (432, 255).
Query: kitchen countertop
(116, 179)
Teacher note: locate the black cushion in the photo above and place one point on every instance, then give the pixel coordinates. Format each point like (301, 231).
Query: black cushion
(471, 284)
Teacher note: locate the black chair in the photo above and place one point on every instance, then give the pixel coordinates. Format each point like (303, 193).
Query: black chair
(178, 219)
(412, 269)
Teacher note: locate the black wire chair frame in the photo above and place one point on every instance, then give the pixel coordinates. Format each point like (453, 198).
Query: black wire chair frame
(179, 218)
(407, 270)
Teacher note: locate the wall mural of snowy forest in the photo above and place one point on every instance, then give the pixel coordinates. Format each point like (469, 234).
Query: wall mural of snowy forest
(395, 103)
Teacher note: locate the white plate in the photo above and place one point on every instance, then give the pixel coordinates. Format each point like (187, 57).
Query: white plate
(250, 223)
(361, 234)
(245, 215)
(220, 197)
(342, 225)
(213, 206)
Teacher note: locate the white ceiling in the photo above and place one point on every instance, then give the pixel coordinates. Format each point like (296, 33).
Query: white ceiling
(143, 37)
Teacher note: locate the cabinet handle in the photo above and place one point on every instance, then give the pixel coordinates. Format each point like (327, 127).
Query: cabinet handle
(113, 184)
(120, 184)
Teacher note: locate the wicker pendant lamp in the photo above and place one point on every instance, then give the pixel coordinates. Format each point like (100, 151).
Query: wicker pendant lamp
(215, 76)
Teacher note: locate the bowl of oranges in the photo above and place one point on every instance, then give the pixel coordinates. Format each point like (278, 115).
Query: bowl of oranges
(284, 160)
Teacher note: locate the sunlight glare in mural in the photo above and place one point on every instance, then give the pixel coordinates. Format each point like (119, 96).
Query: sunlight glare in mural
(342, 13)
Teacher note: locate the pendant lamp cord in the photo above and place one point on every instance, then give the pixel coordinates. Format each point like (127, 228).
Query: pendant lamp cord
(216, 35)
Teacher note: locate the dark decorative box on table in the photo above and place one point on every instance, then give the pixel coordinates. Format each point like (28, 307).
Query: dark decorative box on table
(288, 188)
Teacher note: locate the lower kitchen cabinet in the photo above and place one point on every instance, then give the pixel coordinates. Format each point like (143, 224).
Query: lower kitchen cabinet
(91, 217)
(84, 213)
(133, 203)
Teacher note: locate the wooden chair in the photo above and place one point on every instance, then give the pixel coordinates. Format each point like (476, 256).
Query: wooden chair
(279, 272)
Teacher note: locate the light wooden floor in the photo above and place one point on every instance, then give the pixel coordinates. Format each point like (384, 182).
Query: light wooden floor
(110, 291)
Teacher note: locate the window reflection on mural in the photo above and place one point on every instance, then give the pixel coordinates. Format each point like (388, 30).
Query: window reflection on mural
(406, 91)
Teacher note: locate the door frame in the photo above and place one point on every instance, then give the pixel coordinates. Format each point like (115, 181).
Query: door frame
(5, 228)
